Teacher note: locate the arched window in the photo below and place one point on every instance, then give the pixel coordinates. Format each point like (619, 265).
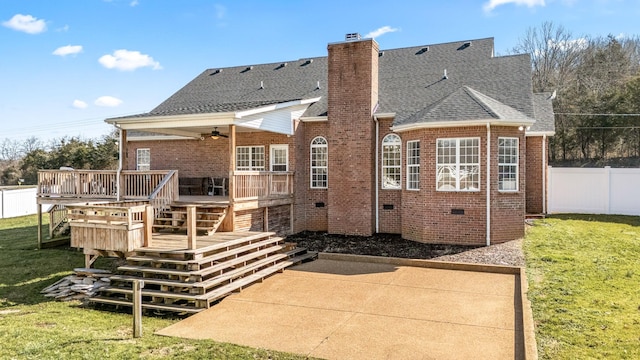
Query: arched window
(319, 163)
(391, 162)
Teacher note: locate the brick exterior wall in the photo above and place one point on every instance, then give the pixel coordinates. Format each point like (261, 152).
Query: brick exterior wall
(352, 96)
(535, 175)
(389, 200)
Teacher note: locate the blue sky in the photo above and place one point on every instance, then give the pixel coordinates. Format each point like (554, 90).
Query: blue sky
(66, 65)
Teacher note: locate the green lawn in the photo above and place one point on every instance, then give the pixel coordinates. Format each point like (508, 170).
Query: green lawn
(34, 327)
(584, 286)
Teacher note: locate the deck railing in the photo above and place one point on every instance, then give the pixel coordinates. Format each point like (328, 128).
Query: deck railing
(262, 184)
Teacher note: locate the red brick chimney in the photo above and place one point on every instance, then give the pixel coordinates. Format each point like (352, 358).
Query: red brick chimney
(352, 97)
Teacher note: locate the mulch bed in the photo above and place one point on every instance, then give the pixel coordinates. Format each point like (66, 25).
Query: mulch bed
(388, 245)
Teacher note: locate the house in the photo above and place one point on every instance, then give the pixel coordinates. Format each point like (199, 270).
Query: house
(442, 143)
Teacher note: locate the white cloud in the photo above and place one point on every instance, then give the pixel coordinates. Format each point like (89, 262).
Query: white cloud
(26, 23)
(79, 104)
(134, 3)
(126, 60)
(575, 44)
(107, 101)
(68, 50)
(381, 31)
(63, 29)
(492, 4)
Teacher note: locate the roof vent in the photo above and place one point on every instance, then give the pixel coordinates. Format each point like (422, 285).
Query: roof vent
(216, 71)
(309, 61)
(247, 69)
(465, 45)
(444, 76)
(381, 53)
(261, 85)
(423, 50)
(318, 85)
(352, 37)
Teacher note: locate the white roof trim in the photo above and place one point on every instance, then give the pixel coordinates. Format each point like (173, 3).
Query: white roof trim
(241, 114)
(384, 115)
(314, 118)
(157, 137)
(540, 133)
(449, 124)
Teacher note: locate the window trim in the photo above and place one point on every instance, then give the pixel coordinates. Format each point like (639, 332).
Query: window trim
(138, 157)
(517, 166)
(251, 158)
(313, 146)
(458, 164)
(396, 142)
(411, 166)
(274, 147)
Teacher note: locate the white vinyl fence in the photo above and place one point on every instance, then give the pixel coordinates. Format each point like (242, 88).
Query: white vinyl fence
(17, 201)
(594, 191)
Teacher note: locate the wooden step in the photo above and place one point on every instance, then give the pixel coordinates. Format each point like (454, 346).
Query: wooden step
(205, 271)
(206, 251)
(226, 290)
(206, 259)
(146, 305)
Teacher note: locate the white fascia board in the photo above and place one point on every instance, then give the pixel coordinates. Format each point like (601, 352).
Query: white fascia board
(540, 133)
(241, 114)
(156, 138)
(176, 132)
(169, 122)
(450, 124)
(384, 115)
(314, 118)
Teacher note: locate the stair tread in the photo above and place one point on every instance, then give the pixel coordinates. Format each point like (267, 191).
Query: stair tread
(216, 256)
(146, 305)
(208, 249)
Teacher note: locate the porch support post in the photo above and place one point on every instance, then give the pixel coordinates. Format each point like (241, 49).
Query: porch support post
(265, 219)
(232, 182)
(191, 227)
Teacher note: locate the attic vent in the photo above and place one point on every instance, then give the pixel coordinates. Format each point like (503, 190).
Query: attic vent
(318, 85)
(247, 69)
(261, 85)
(423, 50)
(465, 45)
(309, 61)
(217, 71)
(381, 53)
(444, 76)
(352, 37)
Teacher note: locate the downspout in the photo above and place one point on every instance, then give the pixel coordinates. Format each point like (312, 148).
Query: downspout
(119, 165)
(544, 174)
(488, 186)
(377, 192)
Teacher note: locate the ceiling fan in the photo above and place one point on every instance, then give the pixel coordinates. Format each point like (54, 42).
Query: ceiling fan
(215, 134)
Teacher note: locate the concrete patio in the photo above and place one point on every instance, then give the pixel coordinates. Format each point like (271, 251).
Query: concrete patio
(360, 307)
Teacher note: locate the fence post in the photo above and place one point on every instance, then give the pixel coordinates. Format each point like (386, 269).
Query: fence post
(607, 189)
(137, 308)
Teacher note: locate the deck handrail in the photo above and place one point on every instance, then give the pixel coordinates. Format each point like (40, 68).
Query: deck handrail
(166, 191)
(262, 184)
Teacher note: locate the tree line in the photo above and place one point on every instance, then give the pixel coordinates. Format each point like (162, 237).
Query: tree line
(597, 86)
(21, 160)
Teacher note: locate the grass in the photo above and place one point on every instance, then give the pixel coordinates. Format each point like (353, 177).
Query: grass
(584, 286)
(35, 327)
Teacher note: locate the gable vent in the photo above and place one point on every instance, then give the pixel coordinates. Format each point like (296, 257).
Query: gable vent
(423, 50)
(352, 37)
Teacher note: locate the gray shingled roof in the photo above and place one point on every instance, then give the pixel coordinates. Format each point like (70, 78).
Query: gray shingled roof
(543, 110)
(410, 82)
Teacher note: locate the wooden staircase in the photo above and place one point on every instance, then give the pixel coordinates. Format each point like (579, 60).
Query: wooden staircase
(174, 219)
(188, 281)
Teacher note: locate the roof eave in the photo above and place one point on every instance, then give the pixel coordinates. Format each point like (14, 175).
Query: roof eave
(540, 133)
(464, 123)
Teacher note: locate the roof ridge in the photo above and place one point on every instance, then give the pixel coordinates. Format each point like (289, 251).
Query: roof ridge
(473, 94)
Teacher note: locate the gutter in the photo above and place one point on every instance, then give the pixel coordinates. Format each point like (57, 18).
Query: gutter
(119, 171)
(375, 118)
(544, 174)
(488, 184)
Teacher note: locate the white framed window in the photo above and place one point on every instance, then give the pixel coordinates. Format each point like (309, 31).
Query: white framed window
(143, 159)
(250, 158)
(507, 164)
(391, 162)
(319, 163)
(279, 157)
(413, 165)
(458, 164)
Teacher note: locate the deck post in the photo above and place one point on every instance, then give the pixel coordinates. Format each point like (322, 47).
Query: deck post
(148, 225)
(40, 226)
(137, 308)
(191, 227)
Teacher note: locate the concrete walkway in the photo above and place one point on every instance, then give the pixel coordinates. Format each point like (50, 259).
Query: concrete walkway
(337, 309)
